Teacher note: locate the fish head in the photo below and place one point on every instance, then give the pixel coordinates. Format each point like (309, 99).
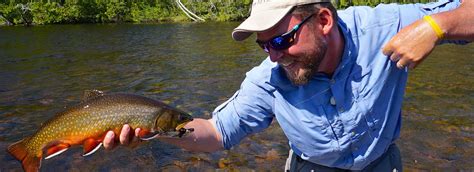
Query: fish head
(172, 120)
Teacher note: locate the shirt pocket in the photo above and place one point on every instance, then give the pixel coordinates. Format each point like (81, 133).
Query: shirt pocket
(359, 82)
(313, 132)
(313, 117)
(365, 110)
(312, 121)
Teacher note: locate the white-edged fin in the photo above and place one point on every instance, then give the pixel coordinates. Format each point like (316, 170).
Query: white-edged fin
(93, 150)
(56, 153)
(149, 138)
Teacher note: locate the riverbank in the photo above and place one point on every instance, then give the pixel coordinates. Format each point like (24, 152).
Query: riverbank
(38, 13)
(18, 12)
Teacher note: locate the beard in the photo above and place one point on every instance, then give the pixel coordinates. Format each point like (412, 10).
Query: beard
(310, 63)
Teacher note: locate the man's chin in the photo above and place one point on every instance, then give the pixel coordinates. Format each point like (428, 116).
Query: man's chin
(300, 79)
(298, 73)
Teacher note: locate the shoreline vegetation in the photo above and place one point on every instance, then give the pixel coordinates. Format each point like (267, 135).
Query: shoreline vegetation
(43, 12)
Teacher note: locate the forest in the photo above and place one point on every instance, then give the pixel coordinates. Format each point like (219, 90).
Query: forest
(40, 12)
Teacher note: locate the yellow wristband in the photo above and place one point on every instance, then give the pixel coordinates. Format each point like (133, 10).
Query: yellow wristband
(435, 26)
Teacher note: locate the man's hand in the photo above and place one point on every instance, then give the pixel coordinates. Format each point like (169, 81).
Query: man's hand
(204, 138)
(411, 45)
(126, 138)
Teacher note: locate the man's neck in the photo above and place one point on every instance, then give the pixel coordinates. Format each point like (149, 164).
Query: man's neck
(334, 52)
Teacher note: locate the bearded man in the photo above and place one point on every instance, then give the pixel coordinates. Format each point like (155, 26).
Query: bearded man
(334, 80)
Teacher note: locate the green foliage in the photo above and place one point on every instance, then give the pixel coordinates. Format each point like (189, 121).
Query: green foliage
(46, 13)
(342, 4)
(91, 12)
(16, 14)
(105, 11)
(137, 12)
(115, 12)
(141, 12)
(9, 13)
(219, 10)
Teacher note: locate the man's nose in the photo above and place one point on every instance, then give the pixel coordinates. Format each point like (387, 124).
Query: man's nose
(275, 55)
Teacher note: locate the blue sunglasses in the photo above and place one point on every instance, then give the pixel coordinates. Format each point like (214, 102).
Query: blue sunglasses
(282, 41)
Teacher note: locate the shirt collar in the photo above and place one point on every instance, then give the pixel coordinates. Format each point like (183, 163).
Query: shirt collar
(347, 55)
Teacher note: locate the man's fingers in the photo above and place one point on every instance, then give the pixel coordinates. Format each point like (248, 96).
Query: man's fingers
(402, 63)
(109, 140)
(135, 136)
(410, 46)
(124, 135)
(126, 138)
(135, 140)
(395, 57)
(387, 49)
(137, 131)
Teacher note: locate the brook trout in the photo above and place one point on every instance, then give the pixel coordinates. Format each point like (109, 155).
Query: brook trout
(87, 123)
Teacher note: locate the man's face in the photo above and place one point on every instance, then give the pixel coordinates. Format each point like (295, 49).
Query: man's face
(301, 60)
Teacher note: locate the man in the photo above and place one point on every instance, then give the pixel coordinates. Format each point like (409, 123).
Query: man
(333, 80)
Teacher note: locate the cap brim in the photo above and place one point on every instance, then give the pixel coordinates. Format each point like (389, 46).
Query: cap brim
(258, 22)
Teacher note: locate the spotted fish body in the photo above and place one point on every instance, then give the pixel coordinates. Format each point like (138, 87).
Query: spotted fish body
(87, 123)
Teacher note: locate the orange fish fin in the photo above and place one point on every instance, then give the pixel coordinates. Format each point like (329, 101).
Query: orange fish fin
(90, 146)
(56, 149)
(147, 134)
(29, 162)
(18, 149)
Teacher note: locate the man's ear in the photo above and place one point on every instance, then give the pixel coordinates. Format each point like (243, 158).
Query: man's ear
(325, 20)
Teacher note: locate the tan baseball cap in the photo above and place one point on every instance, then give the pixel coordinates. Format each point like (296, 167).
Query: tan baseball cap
(265, 14)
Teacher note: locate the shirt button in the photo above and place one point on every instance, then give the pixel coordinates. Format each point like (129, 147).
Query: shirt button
(341, 110)
(332, 101)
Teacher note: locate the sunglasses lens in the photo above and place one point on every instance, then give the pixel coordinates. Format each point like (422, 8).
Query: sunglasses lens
(282, 42)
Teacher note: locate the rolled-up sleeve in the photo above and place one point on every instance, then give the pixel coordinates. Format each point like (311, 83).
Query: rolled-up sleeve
(248, 111)
(411, 12)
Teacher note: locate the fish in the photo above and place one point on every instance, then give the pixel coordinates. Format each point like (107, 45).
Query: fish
(88, 122)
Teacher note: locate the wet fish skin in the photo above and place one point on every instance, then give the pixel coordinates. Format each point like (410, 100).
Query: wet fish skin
(87, 123)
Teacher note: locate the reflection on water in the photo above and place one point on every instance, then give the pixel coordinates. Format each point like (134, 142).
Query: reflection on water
(195, 67)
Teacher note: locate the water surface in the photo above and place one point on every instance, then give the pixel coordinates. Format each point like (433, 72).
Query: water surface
(195, 67)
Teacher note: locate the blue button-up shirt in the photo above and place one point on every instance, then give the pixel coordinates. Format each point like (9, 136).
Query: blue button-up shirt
(345, 121)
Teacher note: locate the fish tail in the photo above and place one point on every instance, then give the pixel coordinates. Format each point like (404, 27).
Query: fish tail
(29, 161)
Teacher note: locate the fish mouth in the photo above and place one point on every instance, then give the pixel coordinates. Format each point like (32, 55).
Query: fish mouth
(180, 131)
(180, 126)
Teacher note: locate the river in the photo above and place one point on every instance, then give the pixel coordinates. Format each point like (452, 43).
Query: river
(195, 67)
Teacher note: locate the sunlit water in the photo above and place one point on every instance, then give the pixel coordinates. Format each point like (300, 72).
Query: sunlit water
(195, 67)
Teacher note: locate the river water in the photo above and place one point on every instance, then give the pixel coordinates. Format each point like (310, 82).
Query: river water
(195, 67)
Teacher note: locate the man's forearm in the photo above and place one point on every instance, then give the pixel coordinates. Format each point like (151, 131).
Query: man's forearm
(204, 138)
(458, 24)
